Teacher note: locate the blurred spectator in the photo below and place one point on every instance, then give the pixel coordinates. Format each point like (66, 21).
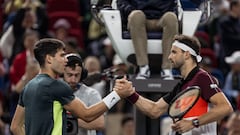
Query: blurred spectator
(23, 68)
(61, 27)
(92, 64)
(221, 8)
(10, 9)
(95, 30)
(2, 73)
(61, 30)
(2, 123)
(233, 124)
(232, 83)
(2, 68)
(106, 57)
(58, 10)
(128, 125)
(31, 15)
(11, 42)
(229, 30)
(96, 35)
(85, 8)
(122, 68)
(72, 46)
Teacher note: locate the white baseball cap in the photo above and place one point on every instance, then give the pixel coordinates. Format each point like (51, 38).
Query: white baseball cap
(234, 58)
(62, 23)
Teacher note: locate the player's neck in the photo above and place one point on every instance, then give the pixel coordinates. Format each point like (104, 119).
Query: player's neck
(187, 69)
(49, 72)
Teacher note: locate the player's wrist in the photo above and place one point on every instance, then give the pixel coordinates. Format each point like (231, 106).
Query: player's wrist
(133, 98)
(195, 122)
(111, 99)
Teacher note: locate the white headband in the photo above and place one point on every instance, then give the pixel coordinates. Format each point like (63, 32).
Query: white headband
(187, 48)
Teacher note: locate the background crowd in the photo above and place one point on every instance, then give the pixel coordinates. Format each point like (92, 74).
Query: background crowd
(22, 22)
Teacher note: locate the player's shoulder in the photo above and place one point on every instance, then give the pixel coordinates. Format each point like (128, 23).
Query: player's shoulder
(203, 73)
(204, 77)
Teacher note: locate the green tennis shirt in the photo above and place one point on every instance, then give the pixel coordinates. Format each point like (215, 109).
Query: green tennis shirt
(43, 98)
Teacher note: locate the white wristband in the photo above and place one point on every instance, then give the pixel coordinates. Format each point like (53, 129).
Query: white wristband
(111, 99)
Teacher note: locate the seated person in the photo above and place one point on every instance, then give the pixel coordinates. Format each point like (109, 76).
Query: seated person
(150, 15)
(231, 87)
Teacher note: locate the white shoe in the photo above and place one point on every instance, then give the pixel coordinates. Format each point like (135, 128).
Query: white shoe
(166, 74)
(144, 72)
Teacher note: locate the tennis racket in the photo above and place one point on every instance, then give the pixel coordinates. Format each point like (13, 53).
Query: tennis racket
(183, 102)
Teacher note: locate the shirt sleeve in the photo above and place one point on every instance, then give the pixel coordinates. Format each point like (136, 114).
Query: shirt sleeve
(62, 93)
(208, 86)
(169, 96)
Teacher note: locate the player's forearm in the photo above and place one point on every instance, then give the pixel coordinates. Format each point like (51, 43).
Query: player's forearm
(91, 113)
(221, 108)
(149, 107)
(17, 125)
(88, 114)
(217, 113)
(18, 130)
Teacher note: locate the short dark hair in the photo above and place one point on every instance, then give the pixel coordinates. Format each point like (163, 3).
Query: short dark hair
(233, 3)
(74, 60)
(192, 42)
(46, 46)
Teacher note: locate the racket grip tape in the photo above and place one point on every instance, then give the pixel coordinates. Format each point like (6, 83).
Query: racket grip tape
(133, 98)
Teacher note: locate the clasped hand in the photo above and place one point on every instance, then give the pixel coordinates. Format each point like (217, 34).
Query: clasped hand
(123, 87)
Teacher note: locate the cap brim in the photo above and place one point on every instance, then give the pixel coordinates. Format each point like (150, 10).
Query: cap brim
(229, 60)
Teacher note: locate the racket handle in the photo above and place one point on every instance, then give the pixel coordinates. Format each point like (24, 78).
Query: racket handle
(172, 133)
(178, 133)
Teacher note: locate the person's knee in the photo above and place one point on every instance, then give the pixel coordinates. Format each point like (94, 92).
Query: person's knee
(170, 18)
(136, 16)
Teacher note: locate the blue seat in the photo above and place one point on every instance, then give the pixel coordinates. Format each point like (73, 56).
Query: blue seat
(190, 4)
(150, 35)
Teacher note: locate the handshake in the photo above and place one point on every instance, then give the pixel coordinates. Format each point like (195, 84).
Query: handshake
(125, 89)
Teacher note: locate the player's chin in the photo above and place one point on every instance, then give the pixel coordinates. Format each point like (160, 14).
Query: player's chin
(73, 85)
(174, 65)
(60, 72)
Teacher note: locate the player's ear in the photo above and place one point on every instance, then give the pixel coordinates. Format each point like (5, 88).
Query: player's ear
(187, 55)
(48, 59)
